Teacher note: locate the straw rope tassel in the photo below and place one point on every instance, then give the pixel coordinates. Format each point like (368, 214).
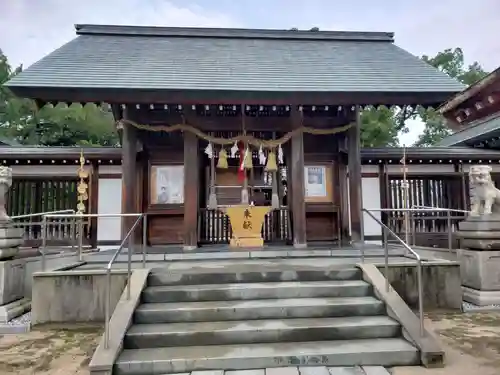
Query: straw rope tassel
(271, 162)
(222, 162)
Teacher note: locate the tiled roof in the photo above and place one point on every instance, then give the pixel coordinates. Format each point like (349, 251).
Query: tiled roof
(477, 130)
(150, 58)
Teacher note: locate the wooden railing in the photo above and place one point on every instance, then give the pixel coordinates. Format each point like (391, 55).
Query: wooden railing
(31, 195)
(426, 228)
(60, 232)
(214, 226)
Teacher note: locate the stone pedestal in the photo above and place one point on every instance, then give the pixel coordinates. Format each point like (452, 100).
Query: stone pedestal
(12, 272)
(480, 274)
(12, 301)
(480, 263)
(480, 232)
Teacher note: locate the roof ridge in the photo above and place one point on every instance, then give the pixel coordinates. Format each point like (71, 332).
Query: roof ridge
(232, 33)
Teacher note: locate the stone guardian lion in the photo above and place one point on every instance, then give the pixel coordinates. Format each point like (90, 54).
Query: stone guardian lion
(484, 196)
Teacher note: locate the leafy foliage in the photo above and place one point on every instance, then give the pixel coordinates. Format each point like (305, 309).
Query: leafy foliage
(61, 125)
(64, 125)
(452, 63)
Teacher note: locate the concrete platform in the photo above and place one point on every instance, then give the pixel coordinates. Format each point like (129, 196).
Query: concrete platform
(263, 331)
(155, 361)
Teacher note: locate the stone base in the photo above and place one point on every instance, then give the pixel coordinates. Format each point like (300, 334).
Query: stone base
(12, 274)
(480, 232)
(10, 240)
(300, 245)
(246, 242)
(14, 309)
(189, 248)
(481, 297)
(480, 270)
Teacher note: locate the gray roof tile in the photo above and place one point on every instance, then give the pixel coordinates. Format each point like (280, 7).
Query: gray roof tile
(477, 130)
(226, 59)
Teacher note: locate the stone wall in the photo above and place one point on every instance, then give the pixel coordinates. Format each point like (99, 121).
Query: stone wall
(441, 283)
(16, 275)
(74, 296)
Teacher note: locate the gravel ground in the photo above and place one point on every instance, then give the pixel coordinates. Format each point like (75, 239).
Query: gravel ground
(49, 350)
(471, 342)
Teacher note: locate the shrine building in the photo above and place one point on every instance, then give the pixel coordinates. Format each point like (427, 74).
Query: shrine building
(233, 135)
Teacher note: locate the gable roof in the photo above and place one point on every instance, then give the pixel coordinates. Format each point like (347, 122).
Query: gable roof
(111, 58)
(470, 91)
(476, 131)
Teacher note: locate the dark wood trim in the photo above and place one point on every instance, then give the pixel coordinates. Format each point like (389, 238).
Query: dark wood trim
(108, 243)
(147, 96)
(355, 182)
(114, 176)
(191, 186)
(129, 175)
(370, 175)
(297, 204)
(94, 202)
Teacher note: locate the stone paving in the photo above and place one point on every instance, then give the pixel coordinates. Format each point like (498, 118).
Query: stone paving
(301, 370)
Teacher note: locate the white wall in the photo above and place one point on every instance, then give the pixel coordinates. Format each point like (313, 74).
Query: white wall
(109, 202)
(371, 200)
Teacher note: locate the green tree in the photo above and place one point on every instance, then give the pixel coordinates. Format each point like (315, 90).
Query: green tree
(61, 125)
(451, 62)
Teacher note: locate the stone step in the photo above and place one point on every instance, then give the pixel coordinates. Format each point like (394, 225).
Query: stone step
(370, 352)
(248, 291)
(257, 309)
(243, 273)
(142, 336)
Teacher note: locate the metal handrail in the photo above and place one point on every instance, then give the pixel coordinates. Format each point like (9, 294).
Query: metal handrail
(78, 217)
(107, 307)
(425, 209)
(385, 230)
(41, 214)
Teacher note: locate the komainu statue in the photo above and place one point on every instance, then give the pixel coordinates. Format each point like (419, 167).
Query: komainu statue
(484, 196)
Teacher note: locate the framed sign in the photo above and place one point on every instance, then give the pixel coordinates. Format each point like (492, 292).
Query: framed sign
(167, 184)
(318, 183)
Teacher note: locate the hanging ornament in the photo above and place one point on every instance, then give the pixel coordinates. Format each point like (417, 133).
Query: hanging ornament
(271, 162)
(234, 150)
(247, 161)
(222, 162)
(209, 150)
(280, 154)
(262, 156)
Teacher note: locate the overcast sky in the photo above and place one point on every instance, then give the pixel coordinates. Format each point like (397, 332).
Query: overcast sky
(30, 29)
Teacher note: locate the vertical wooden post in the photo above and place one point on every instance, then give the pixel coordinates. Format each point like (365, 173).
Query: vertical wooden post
(93, 204)
(129, 175)
(191, 182)
(383, 194)
(297, 180)
(354, 164)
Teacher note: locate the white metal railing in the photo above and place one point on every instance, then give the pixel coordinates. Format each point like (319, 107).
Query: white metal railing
(385, 231)
(128, 239)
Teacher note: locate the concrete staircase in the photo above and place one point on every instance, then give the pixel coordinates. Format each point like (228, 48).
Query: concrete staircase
(230, 320)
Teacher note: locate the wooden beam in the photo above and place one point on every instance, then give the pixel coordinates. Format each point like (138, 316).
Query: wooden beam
(354, 164)
(129, 175)
(191, 185)
(230, 97)
(94, 200)
(297, 181)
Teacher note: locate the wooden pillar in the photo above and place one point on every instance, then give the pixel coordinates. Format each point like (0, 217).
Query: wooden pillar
(191, 182)
(93, 204)
(354, 165)
(129, 174)
(297, 203)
